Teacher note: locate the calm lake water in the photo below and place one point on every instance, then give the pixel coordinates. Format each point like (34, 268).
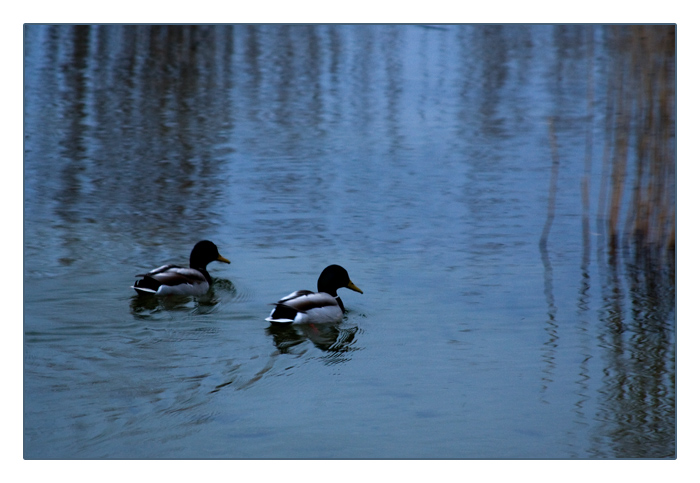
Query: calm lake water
(418, 157)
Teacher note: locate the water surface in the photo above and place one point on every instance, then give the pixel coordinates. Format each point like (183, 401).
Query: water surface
(419, 158)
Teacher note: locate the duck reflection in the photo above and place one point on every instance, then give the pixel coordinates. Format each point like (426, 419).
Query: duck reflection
(327, 337)
(146, 306)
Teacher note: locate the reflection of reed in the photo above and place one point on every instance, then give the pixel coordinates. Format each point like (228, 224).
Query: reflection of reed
(637, 408)
(552, 326)
(137, 153)
(552, 186)
(638, 397)
(584, 290)
(636, 254)
(588, 158)
(642, 128)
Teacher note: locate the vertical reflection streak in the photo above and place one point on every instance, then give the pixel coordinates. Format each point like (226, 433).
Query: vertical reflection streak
(552, 326)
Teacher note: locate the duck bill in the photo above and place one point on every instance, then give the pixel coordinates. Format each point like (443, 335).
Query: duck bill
(354, 287)
(222, 259)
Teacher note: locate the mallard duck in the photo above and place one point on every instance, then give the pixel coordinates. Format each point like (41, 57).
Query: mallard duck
(172, 279)
(305, 306)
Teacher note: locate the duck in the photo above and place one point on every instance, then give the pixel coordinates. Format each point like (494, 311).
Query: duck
(176, 280)
(324, 306)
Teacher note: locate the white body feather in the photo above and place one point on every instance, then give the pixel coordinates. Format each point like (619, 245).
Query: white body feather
(176, 281)
(310, 307)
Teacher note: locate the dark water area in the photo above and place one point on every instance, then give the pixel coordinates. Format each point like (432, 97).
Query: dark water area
(505, 196)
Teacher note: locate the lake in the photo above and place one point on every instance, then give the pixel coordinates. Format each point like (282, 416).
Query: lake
(504, 196)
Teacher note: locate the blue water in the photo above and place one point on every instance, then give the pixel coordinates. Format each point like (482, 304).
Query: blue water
(417, 157)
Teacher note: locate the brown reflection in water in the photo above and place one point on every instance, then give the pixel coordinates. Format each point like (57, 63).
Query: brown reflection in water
(636, 250)
(637, 264)
(641, 128)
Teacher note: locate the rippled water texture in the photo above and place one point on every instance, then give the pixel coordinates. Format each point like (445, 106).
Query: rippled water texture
(503, 195)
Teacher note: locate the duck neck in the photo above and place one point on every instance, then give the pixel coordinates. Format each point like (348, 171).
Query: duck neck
(322, 287)
(340, 303)
(203, 270)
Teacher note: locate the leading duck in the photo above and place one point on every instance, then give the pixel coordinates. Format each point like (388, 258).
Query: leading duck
(175, 280)
(324, 306)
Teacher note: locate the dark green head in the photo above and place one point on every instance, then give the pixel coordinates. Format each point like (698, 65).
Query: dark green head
(203, 253)
(334, 277)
